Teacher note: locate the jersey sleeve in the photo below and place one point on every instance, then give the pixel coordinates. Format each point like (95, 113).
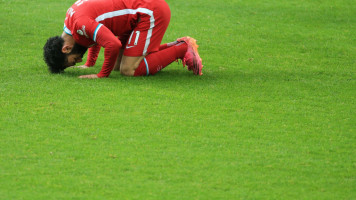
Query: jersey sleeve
(103, 37)
(93, 54)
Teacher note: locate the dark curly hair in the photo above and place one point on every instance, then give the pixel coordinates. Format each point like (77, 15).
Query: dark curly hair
(53, 55)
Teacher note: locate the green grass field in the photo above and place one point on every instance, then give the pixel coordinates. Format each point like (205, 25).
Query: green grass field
(273, 116)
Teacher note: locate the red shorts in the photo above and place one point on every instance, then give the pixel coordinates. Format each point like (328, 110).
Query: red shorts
(148, 34)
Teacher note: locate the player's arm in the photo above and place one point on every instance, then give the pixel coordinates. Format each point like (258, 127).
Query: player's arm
(118, 60)
(93, 54)
(103, 37)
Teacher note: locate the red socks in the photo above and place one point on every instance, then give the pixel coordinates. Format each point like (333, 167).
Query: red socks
(156, 61)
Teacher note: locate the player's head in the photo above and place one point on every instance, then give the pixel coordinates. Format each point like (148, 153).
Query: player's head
(59, 56)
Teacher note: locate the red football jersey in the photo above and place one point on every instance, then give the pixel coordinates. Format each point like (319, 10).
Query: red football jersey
(99, 22)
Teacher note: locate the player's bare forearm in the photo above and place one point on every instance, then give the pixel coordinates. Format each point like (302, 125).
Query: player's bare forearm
(118, 60)
(81, 66)
(89, 76)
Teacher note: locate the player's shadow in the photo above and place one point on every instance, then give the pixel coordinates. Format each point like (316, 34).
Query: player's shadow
(181, 76)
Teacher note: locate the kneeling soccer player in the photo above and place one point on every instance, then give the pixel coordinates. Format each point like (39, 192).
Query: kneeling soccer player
(131, 32)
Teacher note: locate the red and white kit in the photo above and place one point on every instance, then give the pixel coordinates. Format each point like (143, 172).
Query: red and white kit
(137, 26)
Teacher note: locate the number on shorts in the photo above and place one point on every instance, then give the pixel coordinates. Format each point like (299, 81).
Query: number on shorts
(136, 37)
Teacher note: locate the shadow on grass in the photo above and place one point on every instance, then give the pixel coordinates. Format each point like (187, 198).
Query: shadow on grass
(180, 76)
(212, 76)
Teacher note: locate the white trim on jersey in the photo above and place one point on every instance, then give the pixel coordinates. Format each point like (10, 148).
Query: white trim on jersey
(66, 30)
(147, 68)
(131, 12)
(96, 31)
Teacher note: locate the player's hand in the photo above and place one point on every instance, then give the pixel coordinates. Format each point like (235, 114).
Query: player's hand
(81, 66)
(89, 76)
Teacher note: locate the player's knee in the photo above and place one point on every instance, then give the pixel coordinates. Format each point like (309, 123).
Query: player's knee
(129, 64)
(127, 71)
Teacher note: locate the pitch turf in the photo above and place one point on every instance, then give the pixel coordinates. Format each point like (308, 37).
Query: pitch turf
(273, 116)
